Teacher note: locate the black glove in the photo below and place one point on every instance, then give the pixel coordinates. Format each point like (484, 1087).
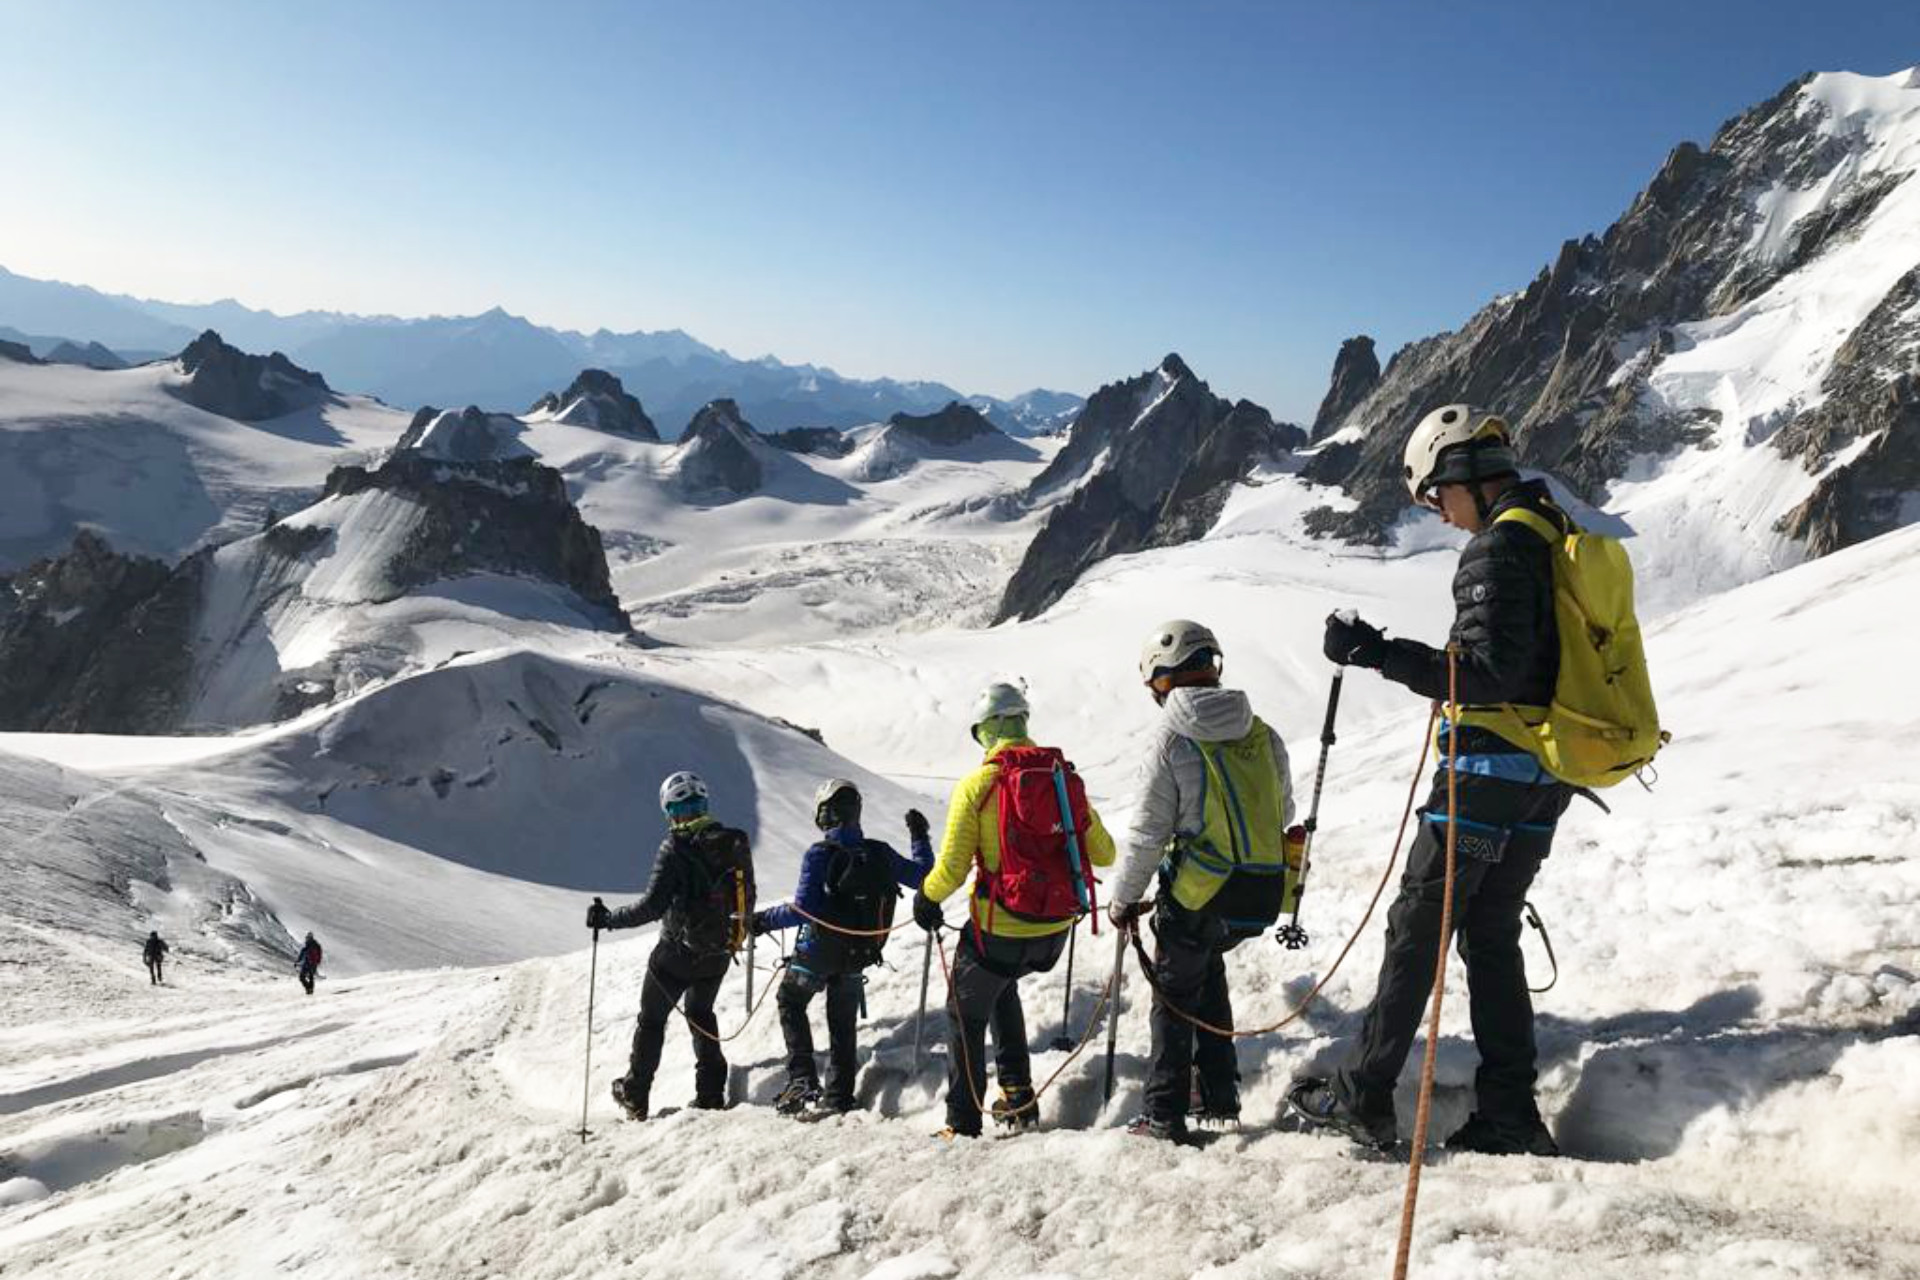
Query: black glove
(1126, 915)
(757, 924)
(927, 913)
(1351, 641)
(916, 825)
(598, 917)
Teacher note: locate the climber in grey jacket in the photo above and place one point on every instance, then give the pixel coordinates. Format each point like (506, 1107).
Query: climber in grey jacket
(1215, 801)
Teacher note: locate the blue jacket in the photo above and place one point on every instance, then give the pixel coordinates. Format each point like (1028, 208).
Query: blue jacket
(810, 895)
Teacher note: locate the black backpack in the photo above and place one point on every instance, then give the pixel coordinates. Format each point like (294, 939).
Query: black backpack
(861, 893)
(717, 910)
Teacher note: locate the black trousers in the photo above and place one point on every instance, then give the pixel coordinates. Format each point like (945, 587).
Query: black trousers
(153, 971)
(1505, 832)
(673, 972)
(306, 977)
(797, 991)
(986, 990)
(1189, 965)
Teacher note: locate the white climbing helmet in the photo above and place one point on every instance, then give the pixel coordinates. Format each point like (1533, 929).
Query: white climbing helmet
(680, 788)
(835, 801)
(999, 699)
(1172, 643)
(1434, 455)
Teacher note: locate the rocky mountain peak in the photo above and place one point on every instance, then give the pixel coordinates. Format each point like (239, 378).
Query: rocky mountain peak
(1575, 359)
(1155, 457)
(954, 425)
(466, 435)
(597, 399)
(18, 352)
(223, 379)
(1356, 370)
(717, 453)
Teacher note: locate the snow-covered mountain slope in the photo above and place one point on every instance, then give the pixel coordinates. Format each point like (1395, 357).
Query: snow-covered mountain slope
(462, 815)
(1729, 1057)
(1734, 366)
(120, 452)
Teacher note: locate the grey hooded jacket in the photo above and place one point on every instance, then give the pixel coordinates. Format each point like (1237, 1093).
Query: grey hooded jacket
(1171, 781)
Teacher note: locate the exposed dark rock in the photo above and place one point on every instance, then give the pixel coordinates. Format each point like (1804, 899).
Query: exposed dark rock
(18, 352)
(227, 381)
(954, 425)
(1566, 359)
(716, 455)
(510, 516)
(822, 442)
(469, 435)
(596, 399)
(92, 641)
(92, 356)
(1169, 452)
(1356, 371)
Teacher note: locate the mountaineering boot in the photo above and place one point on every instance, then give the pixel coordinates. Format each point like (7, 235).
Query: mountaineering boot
(1214, 1107)
(708, 1102)
(635, 1106)
(1146, 1126)
(796, 1097)
(829, 1106)
(1527, 1137)
(1015, 1108)
(951, 1134)
(1318, 1105)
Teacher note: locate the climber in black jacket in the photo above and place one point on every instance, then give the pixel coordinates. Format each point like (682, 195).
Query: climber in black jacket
(1460, 462)
(702, 892)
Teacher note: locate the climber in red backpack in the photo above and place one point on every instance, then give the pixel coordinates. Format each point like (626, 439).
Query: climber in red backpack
(1021, 823)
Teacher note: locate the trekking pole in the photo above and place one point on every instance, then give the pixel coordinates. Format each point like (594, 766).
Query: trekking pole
(1063, 1041)
(1113, 1005)
(1290, 935)
(586, 1080)
(920, 1018)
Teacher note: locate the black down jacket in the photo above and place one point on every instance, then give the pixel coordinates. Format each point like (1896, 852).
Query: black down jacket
(692, 889)
(1503, 625)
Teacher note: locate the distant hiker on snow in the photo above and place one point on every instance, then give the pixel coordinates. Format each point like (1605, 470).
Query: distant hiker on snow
(1460, 461)
(155, 954)
(1027, 894)
(307, 964)
(702, 890)
(853, 882)
(1216, 802)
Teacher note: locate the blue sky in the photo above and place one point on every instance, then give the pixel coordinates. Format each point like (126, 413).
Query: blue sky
(996, 195)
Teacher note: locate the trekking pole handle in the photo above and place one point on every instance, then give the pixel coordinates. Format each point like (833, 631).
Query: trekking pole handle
(603, 907)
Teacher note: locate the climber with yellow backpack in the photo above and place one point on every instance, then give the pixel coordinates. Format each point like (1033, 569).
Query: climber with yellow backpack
(1554, 699)
(1213, 822)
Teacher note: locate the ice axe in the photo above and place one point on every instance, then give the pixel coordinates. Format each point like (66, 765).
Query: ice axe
(1113, 1005)
(1291, 935)
(920, 1018)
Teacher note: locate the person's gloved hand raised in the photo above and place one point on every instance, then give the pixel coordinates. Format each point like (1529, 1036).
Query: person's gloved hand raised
(927, 913)
(916, 825)
(1352, 641)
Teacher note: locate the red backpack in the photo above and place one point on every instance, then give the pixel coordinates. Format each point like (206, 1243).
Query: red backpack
(1045, 873)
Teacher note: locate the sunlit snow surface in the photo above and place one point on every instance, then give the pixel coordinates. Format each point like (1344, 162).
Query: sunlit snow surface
(1729, 1058)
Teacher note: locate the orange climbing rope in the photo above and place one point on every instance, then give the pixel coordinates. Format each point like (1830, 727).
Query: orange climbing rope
(1386, 876)
(1422, 1113)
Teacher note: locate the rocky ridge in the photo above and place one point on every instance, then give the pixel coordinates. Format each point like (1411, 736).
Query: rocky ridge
(223, 379)
(1574, 358)
(1153, 459)
(597, 399)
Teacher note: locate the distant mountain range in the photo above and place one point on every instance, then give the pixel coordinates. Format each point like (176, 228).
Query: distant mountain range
(499, 361)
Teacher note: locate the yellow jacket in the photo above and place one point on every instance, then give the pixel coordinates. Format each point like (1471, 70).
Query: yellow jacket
(973, 833)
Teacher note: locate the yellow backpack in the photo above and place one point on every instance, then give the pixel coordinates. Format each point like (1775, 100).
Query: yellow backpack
(1602, 726)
